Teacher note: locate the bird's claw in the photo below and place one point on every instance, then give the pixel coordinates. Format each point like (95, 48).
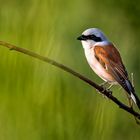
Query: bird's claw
(103, 90)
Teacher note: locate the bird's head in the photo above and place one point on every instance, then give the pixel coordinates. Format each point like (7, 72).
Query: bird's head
(92, 36)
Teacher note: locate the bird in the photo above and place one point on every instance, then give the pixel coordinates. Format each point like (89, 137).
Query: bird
(105, 60)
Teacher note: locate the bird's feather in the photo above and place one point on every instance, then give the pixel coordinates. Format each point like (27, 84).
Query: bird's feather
(109, 57)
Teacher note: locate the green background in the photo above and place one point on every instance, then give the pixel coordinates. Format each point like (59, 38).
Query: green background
(41, 102)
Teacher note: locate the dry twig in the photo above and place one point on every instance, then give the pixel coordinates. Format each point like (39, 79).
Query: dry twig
(69, 70)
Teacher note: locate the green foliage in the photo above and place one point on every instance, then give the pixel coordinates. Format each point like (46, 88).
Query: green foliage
(41, 102)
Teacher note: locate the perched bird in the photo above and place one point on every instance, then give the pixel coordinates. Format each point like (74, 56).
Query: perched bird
(105, 61)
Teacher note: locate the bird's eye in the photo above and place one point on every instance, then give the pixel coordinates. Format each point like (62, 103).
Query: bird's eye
(92, 36)
(95, 38)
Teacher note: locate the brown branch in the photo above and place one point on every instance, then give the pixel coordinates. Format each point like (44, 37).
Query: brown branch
(69, 70)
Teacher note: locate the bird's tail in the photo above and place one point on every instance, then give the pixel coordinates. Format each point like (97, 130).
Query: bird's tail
(130, 89)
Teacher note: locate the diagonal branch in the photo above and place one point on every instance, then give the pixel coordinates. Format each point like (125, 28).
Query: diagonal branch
(69, 70)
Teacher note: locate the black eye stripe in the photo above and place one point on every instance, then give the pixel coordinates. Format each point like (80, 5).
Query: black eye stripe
(95, 38)
(92, 37)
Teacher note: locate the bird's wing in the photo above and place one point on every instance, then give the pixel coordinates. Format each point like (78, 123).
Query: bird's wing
(109, 57)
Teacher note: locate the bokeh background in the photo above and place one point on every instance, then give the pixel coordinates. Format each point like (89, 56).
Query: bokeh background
(41, 102)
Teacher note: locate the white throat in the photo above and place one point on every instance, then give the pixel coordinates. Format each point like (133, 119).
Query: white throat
(88, 44)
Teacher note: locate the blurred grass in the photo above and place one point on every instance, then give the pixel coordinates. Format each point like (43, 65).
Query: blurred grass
(39, 101)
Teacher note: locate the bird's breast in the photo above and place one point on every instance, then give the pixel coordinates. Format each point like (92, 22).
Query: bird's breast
(97, 67)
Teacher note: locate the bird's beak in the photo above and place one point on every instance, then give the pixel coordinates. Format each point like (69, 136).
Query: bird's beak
(82, 37)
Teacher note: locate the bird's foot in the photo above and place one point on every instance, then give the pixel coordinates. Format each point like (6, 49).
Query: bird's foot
(105, 88)
(103, 84)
